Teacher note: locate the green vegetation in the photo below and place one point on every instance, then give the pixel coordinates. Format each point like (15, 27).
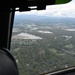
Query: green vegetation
(54, 52)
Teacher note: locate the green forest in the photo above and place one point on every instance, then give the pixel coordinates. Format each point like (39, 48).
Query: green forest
(53, 52)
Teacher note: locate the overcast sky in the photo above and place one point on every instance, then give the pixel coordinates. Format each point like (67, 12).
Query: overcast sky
(64, 10)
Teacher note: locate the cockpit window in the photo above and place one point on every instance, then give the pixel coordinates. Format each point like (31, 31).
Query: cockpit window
(44, 41)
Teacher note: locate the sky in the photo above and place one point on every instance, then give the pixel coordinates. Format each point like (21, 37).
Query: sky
(61, 10)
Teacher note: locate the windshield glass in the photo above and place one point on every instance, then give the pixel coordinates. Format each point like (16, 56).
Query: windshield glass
(44, 41)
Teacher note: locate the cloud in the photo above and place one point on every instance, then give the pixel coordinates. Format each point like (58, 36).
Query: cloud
(63, 10)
